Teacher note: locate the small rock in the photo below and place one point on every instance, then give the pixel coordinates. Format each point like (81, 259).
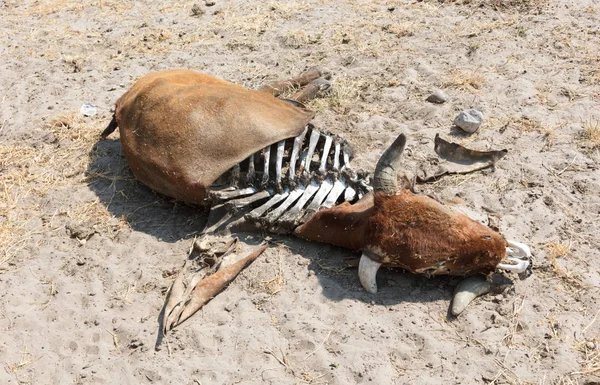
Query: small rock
(469, 120)
(230, 306)
(438, 97)
(197, 10)
(209, 3)
(88, 110)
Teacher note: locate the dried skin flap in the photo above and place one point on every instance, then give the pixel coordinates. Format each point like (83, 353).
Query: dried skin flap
(181, 129)
(459, 160)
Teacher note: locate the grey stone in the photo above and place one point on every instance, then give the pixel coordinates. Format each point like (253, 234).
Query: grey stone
(469, 120)
(438, 97)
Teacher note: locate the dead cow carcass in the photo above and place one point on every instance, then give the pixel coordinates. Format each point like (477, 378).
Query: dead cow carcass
(204, 140)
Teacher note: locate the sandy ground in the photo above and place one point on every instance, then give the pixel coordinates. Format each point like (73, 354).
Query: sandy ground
(87, 252)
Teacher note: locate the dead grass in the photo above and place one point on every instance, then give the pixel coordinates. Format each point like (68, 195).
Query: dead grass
(591, 133)
(503, 5)
(345, 92)
(556, 251)
(296, 39)
(30, 173)
(467, 80)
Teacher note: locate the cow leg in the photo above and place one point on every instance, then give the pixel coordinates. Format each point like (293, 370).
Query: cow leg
(278, 87)
(316, 89)
(202, 277)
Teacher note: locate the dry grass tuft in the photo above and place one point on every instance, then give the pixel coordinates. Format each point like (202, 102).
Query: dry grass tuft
(345, 92)
(591, 133)
(556, 250)
(503, 5)
(465, 80)
(591, 357)
(296, 39)
(274, 286)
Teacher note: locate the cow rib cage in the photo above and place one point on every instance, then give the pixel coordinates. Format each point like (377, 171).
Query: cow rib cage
(283, 185)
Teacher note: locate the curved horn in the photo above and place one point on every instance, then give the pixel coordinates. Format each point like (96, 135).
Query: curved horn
(387, 167)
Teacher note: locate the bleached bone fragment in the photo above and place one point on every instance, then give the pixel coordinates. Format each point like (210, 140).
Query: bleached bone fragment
(267, 155)
(251, 171)
(312, 144)
(326, 148)
(292, 214)
(295, 153)
(336, 156)
(259, 211)
(292, 197)
(325, 188)
(349, 194)
(346, 156)
(236, 204)
(279, 162)
(367, 273)
(338, 188)
(231, 194)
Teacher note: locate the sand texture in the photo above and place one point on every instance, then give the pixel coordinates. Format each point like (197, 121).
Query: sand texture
(87, 253)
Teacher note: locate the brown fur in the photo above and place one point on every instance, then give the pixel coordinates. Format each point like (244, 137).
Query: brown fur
(410, 231)
(180, 129)
(344, 225)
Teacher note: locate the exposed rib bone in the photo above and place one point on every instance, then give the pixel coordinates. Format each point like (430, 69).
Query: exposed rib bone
(349, 194)
(267, 155)
(295, 152)
(326, 148)
(325, 188)
(346, 155)
(259, 211)
(312, 144)
(251, 171)
(231, 194)
(292, 197)
(279, 164)
(367, 273)
(337, 190)
(236, 204)
(336, 156)
(293, 213)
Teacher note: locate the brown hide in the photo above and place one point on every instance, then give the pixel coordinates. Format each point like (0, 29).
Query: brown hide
(344, 225)
(424, 236)
(180, 129)
(410, 231)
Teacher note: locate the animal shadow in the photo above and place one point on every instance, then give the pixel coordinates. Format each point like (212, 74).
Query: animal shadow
(113, 182)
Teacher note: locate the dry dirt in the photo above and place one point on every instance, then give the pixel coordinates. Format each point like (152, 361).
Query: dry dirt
(87, 252)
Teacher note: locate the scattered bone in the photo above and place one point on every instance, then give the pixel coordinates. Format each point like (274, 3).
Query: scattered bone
(459, 160)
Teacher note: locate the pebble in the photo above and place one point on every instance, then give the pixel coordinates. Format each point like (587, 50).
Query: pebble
(469, 120)
(438, 97)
